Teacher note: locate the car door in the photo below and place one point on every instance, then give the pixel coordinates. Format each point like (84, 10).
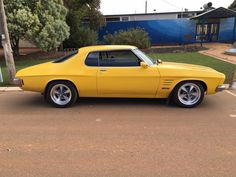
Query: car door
(87, 78)
(120, 75)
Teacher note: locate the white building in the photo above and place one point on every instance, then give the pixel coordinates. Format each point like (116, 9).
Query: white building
(150, 16)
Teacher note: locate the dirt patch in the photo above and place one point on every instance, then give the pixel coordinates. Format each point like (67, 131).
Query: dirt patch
(41, 55)
(217, 50)
(35, 54)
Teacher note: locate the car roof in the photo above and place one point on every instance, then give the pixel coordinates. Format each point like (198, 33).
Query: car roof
(107, 47)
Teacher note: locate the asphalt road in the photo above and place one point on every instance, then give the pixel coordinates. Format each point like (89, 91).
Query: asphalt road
(117, 138)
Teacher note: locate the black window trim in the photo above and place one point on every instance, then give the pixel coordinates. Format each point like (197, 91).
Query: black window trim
(111, 51)
(66, 57)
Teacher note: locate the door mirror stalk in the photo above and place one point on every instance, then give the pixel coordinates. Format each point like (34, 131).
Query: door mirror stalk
(144, 65)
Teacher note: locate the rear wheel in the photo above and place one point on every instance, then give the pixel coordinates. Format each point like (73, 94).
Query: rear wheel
(188, 94)
(61, 94)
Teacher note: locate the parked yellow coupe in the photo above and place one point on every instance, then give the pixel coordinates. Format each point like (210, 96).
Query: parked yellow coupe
(119, 71)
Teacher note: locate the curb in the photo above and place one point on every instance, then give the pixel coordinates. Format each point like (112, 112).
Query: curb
(10, 89)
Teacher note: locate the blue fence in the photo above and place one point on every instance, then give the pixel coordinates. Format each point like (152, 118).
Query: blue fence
(226, 32)
(171, 31)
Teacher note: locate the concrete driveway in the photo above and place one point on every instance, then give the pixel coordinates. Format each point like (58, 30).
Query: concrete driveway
(217, 50)
(117, 138)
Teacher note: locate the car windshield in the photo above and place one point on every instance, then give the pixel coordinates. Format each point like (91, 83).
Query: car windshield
(66, 57)
(143, 56)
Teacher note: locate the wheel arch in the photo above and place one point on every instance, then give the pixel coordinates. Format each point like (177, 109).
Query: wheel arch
(192, 80)
(64, 80)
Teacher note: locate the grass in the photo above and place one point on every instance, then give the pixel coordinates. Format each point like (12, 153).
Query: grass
(191, 58)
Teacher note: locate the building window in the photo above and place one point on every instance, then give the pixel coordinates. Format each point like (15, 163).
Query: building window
(185, 15)
(207, 32)
(112, 19)
(124, 19)
(201, 33)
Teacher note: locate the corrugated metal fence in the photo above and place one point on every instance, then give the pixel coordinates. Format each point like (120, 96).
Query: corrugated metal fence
(171, 31)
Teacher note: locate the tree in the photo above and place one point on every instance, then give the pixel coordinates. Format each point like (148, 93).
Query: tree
(85, 11)
(41, 22)
(233, 5)
(84, 19)
(6, 44)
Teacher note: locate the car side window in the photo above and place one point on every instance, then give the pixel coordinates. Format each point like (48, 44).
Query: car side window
(119, 58)
(92, 59)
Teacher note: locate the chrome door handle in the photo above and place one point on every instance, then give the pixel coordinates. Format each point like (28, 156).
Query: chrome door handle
(103, 70)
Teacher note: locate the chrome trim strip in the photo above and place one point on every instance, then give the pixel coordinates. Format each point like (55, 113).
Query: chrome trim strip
(220, 88)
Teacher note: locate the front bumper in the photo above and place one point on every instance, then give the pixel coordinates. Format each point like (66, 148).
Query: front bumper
(17, 82)
(221, 88)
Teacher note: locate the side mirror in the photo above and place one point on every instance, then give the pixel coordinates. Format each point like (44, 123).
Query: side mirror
(159, 61)
(144, 65)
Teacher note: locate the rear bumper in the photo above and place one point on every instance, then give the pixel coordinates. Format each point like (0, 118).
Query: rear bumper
(221, 88)
(17, 82)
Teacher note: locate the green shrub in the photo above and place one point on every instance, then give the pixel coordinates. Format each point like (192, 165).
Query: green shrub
(134, 36)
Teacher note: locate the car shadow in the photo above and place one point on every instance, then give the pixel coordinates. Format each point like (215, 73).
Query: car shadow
(34, 100)
(35, 104)
(120, 102)
(37, 100)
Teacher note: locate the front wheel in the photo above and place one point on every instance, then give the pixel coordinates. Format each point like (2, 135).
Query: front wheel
(188, 94)
(61, 94)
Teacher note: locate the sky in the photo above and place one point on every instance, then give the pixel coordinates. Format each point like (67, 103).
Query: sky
(110, 7)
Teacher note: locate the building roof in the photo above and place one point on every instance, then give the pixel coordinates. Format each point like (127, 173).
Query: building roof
(160, 13)
(220, 12)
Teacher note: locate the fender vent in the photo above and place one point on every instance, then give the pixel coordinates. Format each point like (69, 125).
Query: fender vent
(166, 84)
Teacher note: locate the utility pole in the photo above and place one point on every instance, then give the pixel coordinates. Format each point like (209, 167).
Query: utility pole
(146, 4)
(7, 44)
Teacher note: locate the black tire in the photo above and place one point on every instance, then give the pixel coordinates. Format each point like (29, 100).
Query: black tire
(181, 98)
(68, 91)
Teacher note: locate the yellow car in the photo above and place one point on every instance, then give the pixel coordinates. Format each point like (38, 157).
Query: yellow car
(119, 71)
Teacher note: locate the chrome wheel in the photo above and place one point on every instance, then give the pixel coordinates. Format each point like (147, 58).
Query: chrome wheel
(189, 94)
(61, 94)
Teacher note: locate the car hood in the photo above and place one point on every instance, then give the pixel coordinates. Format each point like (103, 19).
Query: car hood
(189, 70)
(186, 66)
